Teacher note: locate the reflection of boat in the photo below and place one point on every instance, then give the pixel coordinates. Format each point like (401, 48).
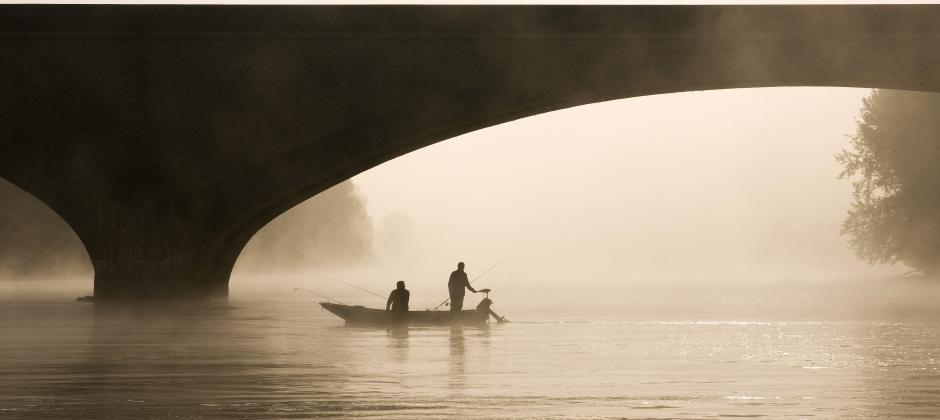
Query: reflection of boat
(360, 315)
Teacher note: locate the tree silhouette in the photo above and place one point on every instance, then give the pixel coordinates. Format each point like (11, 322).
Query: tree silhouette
(894, 161)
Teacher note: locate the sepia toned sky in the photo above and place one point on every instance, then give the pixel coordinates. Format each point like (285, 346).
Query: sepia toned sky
(728, 184)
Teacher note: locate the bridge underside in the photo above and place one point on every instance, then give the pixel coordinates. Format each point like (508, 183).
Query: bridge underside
(166, 136)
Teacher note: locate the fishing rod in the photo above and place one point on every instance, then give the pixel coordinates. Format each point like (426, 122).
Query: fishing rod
(471, 282)
(904, 274)
(318, 294)
(364, 290)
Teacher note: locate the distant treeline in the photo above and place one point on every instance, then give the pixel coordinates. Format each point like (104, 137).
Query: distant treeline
(331, 229)
(894, 162)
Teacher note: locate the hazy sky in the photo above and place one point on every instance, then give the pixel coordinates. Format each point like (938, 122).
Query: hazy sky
(700, 188)
(731, 184)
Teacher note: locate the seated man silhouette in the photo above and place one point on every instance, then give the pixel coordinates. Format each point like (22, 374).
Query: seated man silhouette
(486, 304)
(397, 302)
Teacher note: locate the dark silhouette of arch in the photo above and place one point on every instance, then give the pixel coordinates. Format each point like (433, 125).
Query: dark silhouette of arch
(37, 243)
(167, 136)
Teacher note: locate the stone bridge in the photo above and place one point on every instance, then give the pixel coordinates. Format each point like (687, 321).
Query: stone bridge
(166, 136)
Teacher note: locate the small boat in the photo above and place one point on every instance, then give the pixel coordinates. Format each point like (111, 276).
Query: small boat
(360, 315)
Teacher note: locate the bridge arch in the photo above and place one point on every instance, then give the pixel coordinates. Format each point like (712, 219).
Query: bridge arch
(39, 245)
(187, 129)
(311, 190)
(563, 110)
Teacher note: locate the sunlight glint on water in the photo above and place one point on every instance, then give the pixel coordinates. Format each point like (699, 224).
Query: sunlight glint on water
(287, 358)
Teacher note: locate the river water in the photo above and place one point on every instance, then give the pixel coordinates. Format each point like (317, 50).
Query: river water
(741, 354)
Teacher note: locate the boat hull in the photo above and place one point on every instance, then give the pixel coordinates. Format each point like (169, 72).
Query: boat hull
(360, 315)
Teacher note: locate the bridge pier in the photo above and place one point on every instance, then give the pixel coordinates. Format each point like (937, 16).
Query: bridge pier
(149, 250)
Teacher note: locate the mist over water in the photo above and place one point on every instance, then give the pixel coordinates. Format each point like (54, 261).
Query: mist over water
(654, 266)
(698, 355)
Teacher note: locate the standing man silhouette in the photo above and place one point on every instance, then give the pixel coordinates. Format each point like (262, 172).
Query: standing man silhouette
(456, 285)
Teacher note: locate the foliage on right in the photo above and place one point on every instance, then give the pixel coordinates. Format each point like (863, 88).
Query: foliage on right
(894, 164)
